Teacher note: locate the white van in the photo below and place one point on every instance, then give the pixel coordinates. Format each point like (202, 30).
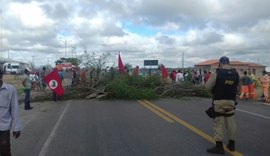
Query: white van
(12, 68)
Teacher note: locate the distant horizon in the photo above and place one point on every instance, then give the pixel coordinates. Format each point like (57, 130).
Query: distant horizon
(45, 31)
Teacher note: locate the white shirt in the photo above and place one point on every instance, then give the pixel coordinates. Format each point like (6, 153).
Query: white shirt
(9, 109)
(179, 77)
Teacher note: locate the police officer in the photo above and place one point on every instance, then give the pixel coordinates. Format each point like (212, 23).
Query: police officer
(224, 83)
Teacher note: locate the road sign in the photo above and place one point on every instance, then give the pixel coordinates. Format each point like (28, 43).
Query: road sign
(150, 62)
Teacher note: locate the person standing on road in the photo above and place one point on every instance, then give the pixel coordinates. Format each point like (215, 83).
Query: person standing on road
(265, 85)
(83, 77)
(224, 83)
(42, 75)
(251, 88)
(246, 81)
(27, 89)
(9, 116)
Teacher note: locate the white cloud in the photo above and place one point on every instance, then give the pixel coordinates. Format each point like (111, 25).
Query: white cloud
(30, 15)
(232, 40)
(155, 29)
(170, 26)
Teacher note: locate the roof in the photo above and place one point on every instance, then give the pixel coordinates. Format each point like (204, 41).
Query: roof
(208, 62)
(255, 65)
(216, 61)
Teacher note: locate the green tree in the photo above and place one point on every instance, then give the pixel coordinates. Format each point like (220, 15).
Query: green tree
(72, 60)
(91, 60)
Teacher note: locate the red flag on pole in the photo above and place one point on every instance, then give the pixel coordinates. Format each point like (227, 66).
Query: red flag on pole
(164, 72)
(120, 64)
(54, 82)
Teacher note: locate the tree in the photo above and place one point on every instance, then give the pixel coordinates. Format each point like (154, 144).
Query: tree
(93, 61)
(72, 60)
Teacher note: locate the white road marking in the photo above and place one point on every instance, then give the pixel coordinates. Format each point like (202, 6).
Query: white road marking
(266, 117)
(53, 132)
(266, 104)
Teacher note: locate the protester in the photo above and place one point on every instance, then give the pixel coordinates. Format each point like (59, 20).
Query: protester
(246, 81)
(42, 75)
(251, 85)
(206, 76)
(9, 118)
(173, 75)
(37, 81)
(61, 74)
(83, 77)
(179, 77)
(56, 97)
(74, 78)
(27, 89)
(224, 84)
(265, 85)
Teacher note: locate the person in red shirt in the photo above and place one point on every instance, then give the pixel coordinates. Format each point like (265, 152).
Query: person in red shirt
(83, 76)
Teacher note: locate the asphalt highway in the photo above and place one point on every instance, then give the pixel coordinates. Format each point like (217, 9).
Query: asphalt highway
(164, 127)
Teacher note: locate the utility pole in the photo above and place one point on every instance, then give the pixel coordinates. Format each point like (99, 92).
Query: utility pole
(183, 60)
(73, 52)
(1, 33)
(65, 48)
(65, 42)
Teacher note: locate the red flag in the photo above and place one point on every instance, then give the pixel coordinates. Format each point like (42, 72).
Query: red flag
(120, 64)
(137, 71)
(54, 82)
(164, 72)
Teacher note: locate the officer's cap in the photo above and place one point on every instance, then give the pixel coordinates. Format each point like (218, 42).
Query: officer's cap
(224, 60)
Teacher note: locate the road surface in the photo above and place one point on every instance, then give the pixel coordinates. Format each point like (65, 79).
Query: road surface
(164, 127)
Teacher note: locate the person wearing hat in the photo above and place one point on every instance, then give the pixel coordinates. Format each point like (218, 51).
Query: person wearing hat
(27, 88)
(9, 116)
(224, 84)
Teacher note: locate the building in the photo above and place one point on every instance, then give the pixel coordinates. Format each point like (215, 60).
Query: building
(211, 65)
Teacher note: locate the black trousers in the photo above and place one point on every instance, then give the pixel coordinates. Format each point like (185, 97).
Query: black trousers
(56, 97)
(5, 143)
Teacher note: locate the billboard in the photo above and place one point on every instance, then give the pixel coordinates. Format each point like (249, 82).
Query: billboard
(150, 62)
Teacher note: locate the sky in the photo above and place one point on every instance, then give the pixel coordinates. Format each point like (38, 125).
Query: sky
(42, 31)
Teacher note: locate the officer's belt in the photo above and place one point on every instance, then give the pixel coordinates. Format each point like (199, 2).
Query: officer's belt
(225, 114)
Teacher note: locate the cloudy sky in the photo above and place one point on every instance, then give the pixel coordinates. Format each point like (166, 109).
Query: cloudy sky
(38, 30)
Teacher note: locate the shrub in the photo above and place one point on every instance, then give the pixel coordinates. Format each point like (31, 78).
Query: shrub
(131, 87)
(201, 91)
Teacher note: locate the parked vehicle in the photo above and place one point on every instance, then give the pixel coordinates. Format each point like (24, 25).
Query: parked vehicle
(12, 68)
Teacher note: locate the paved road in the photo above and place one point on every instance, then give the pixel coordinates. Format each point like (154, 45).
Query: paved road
(165, 127)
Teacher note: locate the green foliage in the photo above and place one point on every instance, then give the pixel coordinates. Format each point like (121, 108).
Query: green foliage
(131, 87)
(256, 83)
(98, 62)
(72, 60)
(20, 90)
(144, 82)
(201, 91)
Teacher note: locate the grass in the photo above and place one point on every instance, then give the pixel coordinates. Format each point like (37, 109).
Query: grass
(15, 81)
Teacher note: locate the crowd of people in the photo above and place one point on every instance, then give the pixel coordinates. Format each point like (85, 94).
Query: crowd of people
(224, 83)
